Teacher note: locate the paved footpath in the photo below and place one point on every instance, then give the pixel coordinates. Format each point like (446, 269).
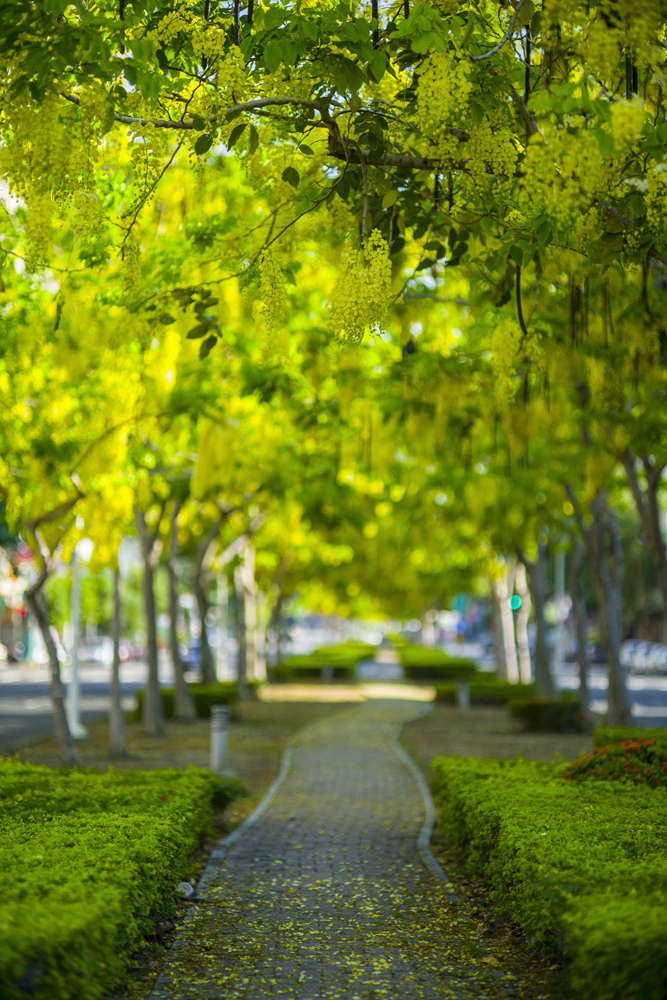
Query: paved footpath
(325, 895)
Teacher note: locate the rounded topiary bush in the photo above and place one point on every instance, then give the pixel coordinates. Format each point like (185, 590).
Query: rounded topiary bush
(641, 762)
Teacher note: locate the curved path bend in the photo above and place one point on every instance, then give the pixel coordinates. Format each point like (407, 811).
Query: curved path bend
(324, 895)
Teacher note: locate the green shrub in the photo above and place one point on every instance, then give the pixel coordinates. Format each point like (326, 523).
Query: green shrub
(486, 691)
(571, 862)
(203, 695)
(641, 762)
(341, 659)
(604, 735)
(87, 860)
(424, 663)
(548, 715)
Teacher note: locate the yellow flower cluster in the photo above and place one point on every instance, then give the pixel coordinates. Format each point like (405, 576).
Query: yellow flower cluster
(515, 219)
(362, 295)
(231, 77)
(271, 307)
(443, 92)
(602, 47)
(627, 122)
(562, 172)
(504, 352)
(167, 29)
(656, 199)
(489, 152)
(147, 155)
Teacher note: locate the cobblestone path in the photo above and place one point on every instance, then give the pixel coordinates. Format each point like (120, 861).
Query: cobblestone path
(325, 895)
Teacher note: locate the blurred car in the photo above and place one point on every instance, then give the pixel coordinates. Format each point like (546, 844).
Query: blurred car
(98, 652)
(640, 657)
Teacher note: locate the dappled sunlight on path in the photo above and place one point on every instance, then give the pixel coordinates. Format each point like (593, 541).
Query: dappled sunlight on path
(324, 895)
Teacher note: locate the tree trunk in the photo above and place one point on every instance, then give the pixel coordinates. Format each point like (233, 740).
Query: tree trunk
(607, 566)
(648, 508)
(525, 672)
(184, 706)
(580, 624)
(496, 619)
(241, 637)
(504, 588)
(117, 742)
(153, 712)
(537, 579)
(273, 632)
(255, 668)
(35, 598)
(208, 672)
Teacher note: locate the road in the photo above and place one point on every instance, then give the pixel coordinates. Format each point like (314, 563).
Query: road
(25, 705)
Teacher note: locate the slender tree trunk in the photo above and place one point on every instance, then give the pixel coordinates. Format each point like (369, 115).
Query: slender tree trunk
(35, 597)
(523, 646)
(184, 706)
(580, 624)
(153, 712)
(208, 672)
(648, 508)
(117, 741)
(607, 566)
(496, 619)
(504, 588)
(273, 631)
(241, 636)
(537, 579)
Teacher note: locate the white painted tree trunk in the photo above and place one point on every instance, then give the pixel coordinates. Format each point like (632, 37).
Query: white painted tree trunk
(521, 585)
(504, 587)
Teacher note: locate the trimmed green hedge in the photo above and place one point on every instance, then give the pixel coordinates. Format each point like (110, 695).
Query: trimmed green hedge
(203, 695)
(582, 867)
(87, 859)
(548, 715)
(342, 659)
(641, 762)
(486, 690)
(604, 735)
(425, 663)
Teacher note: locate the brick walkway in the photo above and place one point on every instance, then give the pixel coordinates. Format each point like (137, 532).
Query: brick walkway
(325, 895)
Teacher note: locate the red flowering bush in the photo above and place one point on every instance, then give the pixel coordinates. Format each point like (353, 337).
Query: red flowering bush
(642, 762)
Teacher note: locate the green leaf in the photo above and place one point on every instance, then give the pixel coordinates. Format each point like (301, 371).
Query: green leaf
(203, 144)
(273, 55)
(253, 140)
(516, 254)
(207, 346)
(198, 123)
(377, 64)
(166, 319)
(306, 150)
(236, 134)
(389, 198)
(200, 330)
(291, 176)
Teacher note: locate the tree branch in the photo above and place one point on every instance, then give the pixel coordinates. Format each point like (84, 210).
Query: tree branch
(531, 124)
(506, 37)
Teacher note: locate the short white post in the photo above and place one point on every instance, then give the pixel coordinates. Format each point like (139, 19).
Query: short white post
(463, 695)
(219, 726)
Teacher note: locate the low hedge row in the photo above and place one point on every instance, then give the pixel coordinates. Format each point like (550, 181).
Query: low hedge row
(604, 735)
(548, 715)
(582, 867)
(203, 695)
(641, 762)
(425, 663)
(486, 690)
(87, 859)
(342, 660)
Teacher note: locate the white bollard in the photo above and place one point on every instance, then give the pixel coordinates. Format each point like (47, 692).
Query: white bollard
(463, 695)
(219, 726)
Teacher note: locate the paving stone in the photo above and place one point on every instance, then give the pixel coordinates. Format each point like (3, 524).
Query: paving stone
(325, 897)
